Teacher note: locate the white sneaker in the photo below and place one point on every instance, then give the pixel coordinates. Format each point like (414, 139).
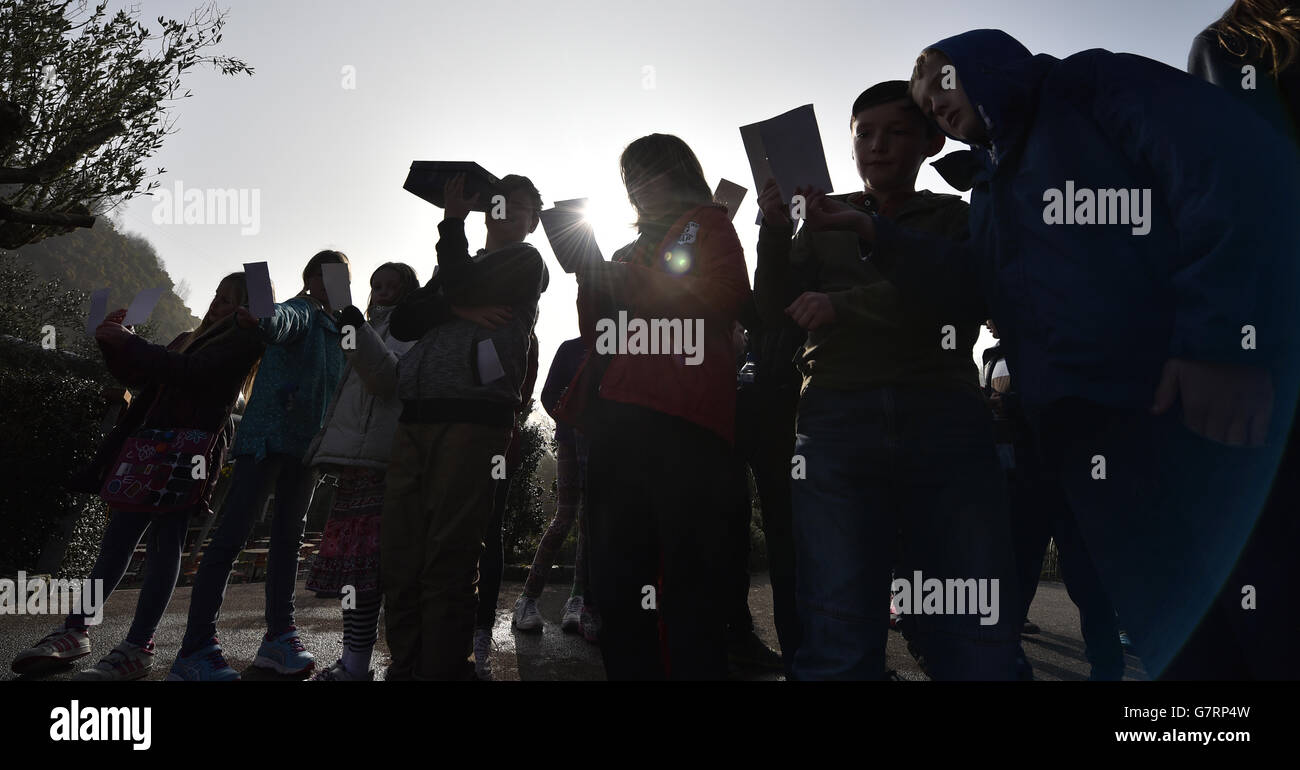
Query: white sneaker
(571, 620)
(482, 648)
(59, 647)
(527, 618)
(126, 662)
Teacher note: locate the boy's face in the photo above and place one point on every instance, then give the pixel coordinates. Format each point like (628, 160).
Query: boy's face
(949, 107)
(890, 142)
(520, 219)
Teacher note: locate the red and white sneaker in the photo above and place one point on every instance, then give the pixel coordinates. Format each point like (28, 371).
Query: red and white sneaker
(126, 662)
(59, 647)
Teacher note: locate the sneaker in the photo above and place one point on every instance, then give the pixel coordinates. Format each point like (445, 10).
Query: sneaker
(1029, 627)
(125, 663)
(571, 620)
(1124, 641)
(747, 651)
(339, 673)
(285, 654)
(59, 647)
(590, 622)
(205, 665)
(527, 618)
(482, 648)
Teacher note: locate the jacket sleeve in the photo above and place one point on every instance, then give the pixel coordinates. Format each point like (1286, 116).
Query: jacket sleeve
(513, 275)
(419, 311)
(715, 284)
(288, 323)
(861, 304)
(1223, 177)
(374, 363)
(774, 287)
(159, 366)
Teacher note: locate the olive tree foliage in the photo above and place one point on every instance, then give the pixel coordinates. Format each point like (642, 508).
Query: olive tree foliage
(85, 100)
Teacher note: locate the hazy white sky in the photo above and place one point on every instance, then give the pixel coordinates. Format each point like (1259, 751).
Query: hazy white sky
(551, 90)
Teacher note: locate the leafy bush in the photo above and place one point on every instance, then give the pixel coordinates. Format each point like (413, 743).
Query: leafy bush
(525, 518)
(51, 412)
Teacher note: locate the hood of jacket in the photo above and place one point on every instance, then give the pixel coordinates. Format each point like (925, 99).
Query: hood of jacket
(1001, 78)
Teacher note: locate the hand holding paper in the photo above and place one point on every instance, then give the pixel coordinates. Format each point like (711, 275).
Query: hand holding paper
(787, 148)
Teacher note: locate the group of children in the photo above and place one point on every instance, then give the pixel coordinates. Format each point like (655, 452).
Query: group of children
(1154, 391)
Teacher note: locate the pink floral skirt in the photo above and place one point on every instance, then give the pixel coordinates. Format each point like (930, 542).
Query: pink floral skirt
(349, 549)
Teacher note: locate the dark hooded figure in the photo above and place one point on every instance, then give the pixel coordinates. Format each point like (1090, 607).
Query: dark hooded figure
(1126, 240)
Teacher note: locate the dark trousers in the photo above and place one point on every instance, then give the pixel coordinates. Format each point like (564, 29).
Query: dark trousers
(252, 478)
(437, 508)
(1166, 523)
(919, 459)
(657, 497)
(166, 540)
(764, 446)
(1038, 514)
(492, 564)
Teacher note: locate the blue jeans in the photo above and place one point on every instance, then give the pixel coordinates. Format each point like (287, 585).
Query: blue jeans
(880, 463)
(249, 486)
(162, 565)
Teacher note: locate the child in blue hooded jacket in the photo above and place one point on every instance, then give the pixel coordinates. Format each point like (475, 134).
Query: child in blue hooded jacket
(1122, 241)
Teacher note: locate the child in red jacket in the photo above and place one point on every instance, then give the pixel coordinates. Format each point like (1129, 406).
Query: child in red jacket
(657, 400)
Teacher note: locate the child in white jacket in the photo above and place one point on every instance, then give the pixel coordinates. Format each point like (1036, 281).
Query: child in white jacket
(351, 453)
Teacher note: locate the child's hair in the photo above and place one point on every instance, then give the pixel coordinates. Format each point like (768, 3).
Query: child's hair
(405, 276)
(312, 269)
(657, 154)
(241, 281)
(884, 93)
(1268, 29)
(512, 182)
(923, 59)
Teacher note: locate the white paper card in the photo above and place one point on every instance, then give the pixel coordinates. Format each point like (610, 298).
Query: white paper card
(787, 148)
(261, 299)
(571, 237)
(98, 309)
(729, 194)
(142, 306)
(489, 365)
(338, 284)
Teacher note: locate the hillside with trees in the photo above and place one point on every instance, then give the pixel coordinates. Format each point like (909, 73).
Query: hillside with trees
(102, 256)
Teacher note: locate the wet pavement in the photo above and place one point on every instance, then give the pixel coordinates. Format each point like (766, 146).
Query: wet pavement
(552, 655)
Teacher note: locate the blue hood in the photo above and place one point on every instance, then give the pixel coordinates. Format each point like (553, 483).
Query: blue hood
(1001, 78)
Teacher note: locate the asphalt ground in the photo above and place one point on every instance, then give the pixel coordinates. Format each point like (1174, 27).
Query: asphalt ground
(1056, 653)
